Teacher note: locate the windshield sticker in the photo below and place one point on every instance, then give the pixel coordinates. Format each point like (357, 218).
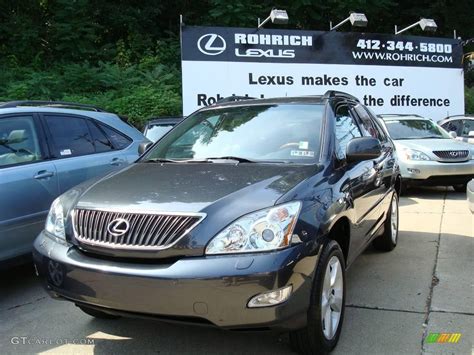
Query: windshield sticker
(303, 145)
(302, 153)
(65, 152)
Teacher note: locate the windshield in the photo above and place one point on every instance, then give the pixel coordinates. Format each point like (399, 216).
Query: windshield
(415, 129)
(257, 133)
(155, 132)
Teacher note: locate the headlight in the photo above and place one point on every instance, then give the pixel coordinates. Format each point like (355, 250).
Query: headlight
(263, 230)
(411, 154)
(55, 220)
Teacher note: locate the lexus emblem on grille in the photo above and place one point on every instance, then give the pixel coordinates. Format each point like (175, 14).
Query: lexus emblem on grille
(118, 227)
(453, 154)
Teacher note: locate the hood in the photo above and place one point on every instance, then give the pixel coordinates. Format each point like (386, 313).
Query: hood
(192, 187)
(427, 146)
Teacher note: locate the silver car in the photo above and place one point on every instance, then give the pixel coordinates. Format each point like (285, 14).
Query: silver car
(45, 149)
(427, 154)
(461, 127)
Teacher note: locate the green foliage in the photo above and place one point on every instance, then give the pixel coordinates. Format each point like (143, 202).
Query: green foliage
(137, 91)
(469, 99)
(123, 55)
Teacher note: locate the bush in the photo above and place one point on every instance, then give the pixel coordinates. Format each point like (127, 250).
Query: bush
(469, 99)
(137, 91)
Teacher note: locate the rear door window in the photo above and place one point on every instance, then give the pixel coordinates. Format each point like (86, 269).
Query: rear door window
(369, 125)
(71, 136)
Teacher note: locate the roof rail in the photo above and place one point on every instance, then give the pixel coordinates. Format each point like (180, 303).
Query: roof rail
(234, 98)
(399, 115)
(335, 93)
(58, 104)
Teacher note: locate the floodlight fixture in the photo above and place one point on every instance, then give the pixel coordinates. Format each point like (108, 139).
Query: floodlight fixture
(278, 17)
(426, 24)
(357, 19)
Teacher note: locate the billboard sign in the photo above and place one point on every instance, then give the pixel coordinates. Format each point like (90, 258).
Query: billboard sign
(389, 73)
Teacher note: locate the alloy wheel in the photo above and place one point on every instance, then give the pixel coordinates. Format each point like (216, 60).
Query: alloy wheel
(332, 297)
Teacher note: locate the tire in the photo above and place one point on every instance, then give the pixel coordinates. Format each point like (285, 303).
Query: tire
(403, 188)
(315, 338)
(388, 240)
(96, 313)
(460, 187)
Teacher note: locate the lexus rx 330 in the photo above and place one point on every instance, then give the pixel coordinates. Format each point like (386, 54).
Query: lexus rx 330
(245, 216)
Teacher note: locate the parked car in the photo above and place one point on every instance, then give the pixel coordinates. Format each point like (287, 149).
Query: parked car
(470, 195)
(158, 127)
(462, 127)
(45, 149)
(427, 154)
(245, 216)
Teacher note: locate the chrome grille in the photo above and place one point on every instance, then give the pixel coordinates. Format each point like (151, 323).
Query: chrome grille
(144, 230)
(454, 155)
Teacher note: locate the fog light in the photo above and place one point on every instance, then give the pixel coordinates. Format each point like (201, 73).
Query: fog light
(413, 171)
(271, 298)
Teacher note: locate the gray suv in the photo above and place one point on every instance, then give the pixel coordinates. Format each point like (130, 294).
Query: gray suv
(244, 216)
(45, 149)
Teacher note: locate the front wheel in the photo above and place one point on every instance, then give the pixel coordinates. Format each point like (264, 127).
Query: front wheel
(388, 240)
(327, 305)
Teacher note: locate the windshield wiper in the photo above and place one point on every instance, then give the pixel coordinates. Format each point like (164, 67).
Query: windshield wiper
(160, 160)
(231, 157)
(431, 137)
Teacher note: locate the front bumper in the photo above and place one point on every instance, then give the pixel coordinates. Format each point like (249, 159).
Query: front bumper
(424, 170)
(209, 289)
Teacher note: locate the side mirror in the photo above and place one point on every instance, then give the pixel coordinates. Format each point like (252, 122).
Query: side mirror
(143, 146)
(453, 134)
(363, 148)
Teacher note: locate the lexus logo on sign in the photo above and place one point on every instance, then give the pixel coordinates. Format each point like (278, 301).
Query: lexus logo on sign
(211, 44)
(118, 227)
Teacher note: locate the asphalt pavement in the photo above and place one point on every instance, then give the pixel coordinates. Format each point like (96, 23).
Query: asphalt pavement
(394, 301)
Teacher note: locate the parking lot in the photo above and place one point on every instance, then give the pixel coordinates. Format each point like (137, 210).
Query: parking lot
(393, 300)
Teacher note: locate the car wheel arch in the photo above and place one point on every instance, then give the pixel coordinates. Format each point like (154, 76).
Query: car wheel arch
(340, 232)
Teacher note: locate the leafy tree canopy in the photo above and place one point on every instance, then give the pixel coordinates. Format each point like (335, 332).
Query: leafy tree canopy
(124, 54)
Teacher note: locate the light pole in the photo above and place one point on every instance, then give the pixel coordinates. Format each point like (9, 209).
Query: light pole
(426, 24)
(357, 19)
(278, 17)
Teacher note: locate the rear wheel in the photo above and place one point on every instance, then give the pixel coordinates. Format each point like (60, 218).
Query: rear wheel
(96, 313)
(460, 187)
(326, 311)
(388, 240)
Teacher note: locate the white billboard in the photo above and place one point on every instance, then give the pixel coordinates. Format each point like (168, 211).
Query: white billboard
(390, 74)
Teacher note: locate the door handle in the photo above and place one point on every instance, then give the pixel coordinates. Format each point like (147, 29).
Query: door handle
(117, 161)
(43, 174)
